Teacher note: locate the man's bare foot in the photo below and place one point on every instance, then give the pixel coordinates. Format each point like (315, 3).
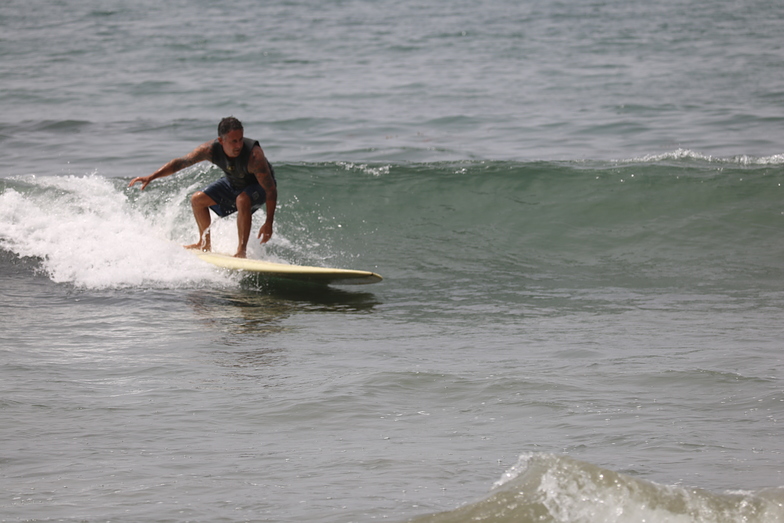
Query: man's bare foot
(241, 254)
(198, 247)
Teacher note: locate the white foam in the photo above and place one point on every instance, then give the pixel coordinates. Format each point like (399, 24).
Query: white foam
(87, 233)
(681, 154)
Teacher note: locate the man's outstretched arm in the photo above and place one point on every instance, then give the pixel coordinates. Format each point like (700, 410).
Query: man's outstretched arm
(199, 154)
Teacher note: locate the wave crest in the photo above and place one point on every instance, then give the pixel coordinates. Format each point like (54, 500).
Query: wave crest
(551, 488)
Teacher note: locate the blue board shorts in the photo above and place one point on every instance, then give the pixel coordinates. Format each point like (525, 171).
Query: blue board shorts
(225, 196)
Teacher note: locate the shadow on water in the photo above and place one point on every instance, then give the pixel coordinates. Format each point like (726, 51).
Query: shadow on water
(308, 296)
(259, 306)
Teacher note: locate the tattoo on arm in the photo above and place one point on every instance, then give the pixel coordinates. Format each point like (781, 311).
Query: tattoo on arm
(268, 184)
(258, 165)
(199, 154)
(180, 163)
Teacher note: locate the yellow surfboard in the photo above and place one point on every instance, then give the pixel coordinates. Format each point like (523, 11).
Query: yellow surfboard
(323, 275)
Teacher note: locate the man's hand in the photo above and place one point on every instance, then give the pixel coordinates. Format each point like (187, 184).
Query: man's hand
(265, 233)
(145, 180)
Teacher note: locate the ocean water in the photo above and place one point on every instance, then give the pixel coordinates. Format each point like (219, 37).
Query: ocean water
(576, 208)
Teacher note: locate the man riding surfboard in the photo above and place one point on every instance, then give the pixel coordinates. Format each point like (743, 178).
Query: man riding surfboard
(249, 183)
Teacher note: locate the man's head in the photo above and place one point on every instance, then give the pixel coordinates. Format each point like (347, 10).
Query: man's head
(229, 124)
(230, 135)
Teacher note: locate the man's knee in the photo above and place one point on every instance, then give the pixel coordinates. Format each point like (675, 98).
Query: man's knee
(200, 199)
(243, 202)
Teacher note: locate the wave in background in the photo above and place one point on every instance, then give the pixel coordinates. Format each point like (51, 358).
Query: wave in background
(549, 488)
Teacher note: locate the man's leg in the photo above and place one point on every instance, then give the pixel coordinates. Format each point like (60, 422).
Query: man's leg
(244, 221)
(200, 203)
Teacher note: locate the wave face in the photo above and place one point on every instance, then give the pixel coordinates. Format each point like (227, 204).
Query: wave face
(669, 220)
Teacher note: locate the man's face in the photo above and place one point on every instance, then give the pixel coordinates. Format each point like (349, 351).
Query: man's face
(232, 143)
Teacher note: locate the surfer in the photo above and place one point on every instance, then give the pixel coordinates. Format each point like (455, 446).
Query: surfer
(249, 183)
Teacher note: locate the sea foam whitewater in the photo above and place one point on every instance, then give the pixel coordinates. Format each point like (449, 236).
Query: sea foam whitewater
(576, 208)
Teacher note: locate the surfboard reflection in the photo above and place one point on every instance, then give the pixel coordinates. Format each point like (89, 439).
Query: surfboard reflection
(259, 306)
(309, 296)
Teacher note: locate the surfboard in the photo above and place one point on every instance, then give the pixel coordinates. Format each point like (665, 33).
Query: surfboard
(324, 275)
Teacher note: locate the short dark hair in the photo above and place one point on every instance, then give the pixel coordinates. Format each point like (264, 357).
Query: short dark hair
(228, 125)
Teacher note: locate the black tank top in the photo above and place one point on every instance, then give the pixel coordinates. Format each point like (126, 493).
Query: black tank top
(236, 169)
